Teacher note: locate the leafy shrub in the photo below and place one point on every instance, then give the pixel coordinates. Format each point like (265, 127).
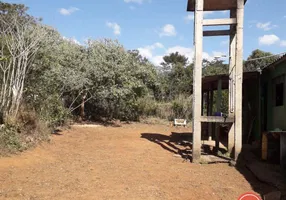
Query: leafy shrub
(147, 107)
(51, 110)
(10, 139)
(23, 132)
(182, 107)
(164, 111)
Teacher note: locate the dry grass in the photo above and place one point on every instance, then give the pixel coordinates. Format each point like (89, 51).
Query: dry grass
(154, 121)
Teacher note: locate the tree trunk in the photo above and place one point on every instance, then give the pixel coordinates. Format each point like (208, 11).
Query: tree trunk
(82, 113)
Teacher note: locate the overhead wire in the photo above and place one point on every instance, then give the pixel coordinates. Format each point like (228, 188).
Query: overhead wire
(282, 54)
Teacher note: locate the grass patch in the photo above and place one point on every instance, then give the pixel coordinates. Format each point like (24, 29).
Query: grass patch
(154, 120)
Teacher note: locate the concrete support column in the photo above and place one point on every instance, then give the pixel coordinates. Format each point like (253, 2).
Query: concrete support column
(239, 78)
(197, 77)
(232, 69)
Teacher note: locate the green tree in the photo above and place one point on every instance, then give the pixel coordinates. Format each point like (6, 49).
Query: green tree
(20, 38)
(176, 76)
(174, 59)
(217, 67)
(120, 78)
(214, 67)
(253, 63)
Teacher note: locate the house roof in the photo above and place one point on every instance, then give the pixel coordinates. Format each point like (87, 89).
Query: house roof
(210, 5)
(276, 62)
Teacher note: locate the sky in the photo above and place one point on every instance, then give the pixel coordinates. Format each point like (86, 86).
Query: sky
(159, 27)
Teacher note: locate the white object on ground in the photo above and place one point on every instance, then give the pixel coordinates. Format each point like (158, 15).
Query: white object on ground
(180, 122)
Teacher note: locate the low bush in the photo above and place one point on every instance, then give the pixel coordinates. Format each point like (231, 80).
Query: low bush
(51, 109)
(22, 133)
(147, 107)
(180, 107)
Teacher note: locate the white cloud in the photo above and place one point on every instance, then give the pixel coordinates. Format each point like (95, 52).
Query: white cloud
(206, 13)
(147, 51)
(188, 52)
(283, 43)
(219, 54)
(223, 11)
(225, 42)
(265, 26)
(157, 45)
(72, 40)
(157, 60)
(116, 28)
(68, 11)
(136, 1)
(189, 17)
(268, 39)
(168, 30)
(252, 23)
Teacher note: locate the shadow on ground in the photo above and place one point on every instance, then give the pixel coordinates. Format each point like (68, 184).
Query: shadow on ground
(177, 143)
(57, 132)
(180, 144)
(262, 177)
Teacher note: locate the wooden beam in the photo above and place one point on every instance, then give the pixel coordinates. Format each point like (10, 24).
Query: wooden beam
(216, 119)
(238, 79)
(219, 22)
(212, 5)
(197, 80)
(216, 33)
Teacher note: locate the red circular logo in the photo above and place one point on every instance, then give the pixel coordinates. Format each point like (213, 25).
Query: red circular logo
(249, 196)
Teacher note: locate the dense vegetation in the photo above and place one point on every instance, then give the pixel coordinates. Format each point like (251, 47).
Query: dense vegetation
(47, 79)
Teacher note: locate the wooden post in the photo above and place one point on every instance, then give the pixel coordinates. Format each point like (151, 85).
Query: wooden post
(232, 60)
(259, 107)
(208, 110)
(218, 109)
(208, 103)
(202, 104)
(264, 146)
(239, 78)
(210, 128)
(197, 77)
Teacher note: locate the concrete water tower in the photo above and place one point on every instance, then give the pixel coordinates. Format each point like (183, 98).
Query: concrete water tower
(235, 33)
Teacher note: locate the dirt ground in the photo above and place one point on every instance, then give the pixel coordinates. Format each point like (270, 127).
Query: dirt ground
(135, 161)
